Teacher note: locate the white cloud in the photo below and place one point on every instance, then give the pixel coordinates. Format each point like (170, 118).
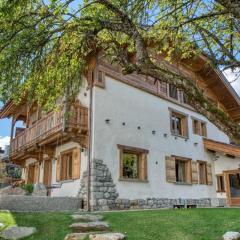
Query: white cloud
(4, 141)
(234, 79)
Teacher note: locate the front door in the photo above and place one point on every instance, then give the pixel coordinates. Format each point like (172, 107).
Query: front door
(233, 186)
(47, 172)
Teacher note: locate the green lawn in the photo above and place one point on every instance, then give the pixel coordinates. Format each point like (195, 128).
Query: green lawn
(191, 224)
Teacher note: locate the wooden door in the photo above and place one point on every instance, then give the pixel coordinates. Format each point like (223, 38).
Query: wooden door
(233, 187)
(31, 171)
(47, 172)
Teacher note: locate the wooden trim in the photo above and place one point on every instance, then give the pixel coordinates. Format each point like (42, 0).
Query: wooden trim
(221, 147)
(135, 81)
(224, 182)
(205, 166)
(142, 162)
(188, 168)
(132, 149)
(184, 123)
(181, 158)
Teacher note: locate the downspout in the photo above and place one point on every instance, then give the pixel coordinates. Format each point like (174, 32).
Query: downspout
(89, 145)
(11, 138)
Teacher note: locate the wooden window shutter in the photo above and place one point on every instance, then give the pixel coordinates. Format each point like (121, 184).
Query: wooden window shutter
(143, 167)
(209, 174)
(194, 172)
(76, 155)
(58, 169)
(170, 169)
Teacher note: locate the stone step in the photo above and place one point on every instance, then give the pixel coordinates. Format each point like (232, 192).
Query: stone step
(76, 236)
(15, 232)
(87, 217)
(107, 236)
(89, 226)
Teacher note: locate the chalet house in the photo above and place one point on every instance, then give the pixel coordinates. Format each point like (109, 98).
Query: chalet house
(132, 143)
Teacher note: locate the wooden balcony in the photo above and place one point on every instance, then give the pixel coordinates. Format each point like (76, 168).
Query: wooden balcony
(51, 130)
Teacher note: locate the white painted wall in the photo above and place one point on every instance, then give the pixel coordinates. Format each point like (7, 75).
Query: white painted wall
(122, 103)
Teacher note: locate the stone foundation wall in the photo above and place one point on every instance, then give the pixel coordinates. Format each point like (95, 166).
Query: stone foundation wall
(154, 203)
(105, 197)
(103, 191)
(39, 203)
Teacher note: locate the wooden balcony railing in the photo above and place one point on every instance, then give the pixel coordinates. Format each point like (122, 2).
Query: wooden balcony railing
(49, 125)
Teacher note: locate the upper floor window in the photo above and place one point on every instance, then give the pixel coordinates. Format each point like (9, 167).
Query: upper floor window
(173, 92)
(133, 163)
(199, 127)
(179, 124)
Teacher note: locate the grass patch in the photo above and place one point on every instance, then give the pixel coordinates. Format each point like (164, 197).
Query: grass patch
(50, 226)
(187, 224)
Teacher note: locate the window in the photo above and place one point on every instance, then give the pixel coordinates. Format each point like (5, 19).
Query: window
(133, 163)
(182, 96)
(220, 183)
(202, 168)
(68, 165)
(199, 127)
(179, 124)
(182, 168)
(173, 92)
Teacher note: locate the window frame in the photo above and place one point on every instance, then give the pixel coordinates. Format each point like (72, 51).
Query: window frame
(62, 154)
(205, 182)
(142, 161)
(188, 169)
(201, 131)
(219, 188)
(184, 123)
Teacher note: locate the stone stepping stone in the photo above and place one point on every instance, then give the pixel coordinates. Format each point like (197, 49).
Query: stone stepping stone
(15, 232)
(89, 226)
(107, 236)
(87, 217)
(76, 236)
(231, 236)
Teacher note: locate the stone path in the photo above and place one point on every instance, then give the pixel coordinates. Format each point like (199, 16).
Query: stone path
(15, 232)
(89, 226)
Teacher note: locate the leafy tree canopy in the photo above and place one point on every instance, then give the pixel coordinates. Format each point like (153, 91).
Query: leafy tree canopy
(45, 45)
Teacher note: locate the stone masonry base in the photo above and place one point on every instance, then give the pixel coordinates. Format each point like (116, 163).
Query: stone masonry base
(104, 195)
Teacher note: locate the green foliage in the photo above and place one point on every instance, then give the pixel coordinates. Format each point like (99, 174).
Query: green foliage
(28, 188)
(46, 47)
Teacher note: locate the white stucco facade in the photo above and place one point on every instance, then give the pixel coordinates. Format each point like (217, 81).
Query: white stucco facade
(121, 103)
(142, 120)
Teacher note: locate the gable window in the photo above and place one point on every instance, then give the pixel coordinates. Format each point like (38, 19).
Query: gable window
(202, 168)
(179, 124)
(133, 163)
(220, 183)
(173, 92)
(68, 165)
(182, 96)
(199, 127)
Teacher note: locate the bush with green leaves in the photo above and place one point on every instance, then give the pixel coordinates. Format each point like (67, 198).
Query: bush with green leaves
(28, 188)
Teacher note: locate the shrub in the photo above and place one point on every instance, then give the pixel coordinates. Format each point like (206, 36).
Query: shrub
(28, 188)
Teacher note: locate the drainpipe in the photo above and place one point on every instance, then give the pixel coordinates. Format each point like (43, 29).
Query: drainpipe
(89, 146)
(11, 137)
